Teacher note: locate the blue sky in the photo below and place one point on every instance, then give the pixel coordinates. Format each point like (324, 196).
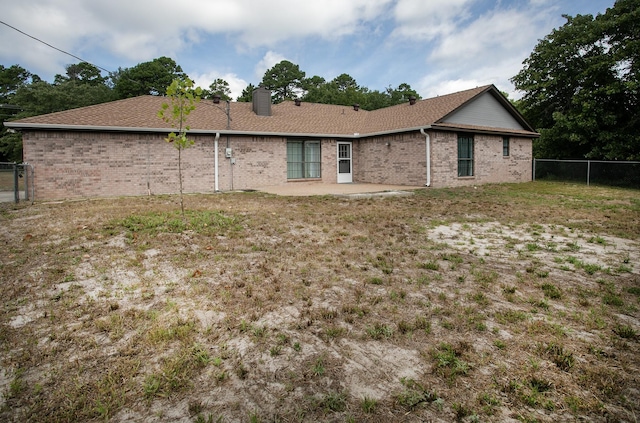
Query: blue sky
(436, 46)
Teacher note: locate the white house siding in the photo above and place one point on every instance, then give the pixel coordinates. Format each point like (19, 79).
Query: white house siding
(486, 111)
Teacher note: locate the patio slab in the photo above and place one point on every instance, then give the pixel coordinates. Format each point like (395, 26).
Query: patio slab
(351, 190)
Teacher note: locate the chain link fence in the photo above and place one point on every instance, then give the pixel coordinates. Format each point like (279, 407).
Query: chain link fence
(16, 182)
(597, 172)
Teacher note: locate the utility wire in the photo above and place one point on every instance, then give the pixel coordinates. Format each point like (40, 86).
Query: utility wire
(65, 52)
(53, 47)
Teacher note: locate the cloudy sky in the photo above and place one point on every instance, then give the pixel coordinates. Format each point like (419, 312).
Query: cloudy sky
(436, 46)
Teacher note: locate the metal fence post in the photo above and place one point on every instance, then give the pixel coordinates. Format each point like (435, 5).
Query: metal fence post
(534, 169)
(588, 171)
(25, 169)
(16, 185)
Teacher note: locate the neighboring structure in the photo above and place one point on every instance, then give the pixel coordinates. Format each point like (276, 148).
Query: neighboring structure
(112, 149)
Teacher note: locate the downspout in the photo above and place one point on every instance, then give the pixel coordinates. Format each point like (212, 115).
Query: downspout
(215, 162)
(428, 145)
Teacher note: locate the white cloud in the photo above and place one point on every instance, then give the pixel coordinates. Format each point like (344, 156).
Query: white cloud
(500, 33)
(419, 19)
(140, 30)
(269, 60)
(486, 50)
(450, 43)
(251, 23)
(236, 84)
(436, 85)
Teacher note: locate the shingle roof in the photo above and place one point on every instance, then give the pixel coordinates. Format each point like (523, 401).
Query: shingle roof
(140, 114)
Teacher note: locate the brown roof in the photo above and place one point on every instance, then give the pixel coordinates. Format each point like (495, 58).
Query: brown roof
(140, 114)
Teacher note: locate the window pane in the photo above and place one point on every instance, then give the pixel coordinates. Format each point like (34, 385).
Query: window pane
(294, 152)
(312, 159)
(344, 166)
(294, 160)
(294, 170)
(465, 156)
(303, 159)
(313, 170)
(312, 152)
(343, 151)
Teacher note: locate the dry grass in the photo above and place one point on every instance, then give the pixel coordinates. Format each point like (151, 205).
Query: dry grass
(6, 180)
(502, 302)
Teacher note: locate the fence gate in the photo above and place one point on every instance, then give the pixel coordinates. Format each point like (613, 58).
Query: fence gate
(16, 182)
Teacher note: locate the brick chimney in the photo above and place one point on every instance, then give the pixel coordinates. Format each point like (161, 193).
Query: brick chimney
(262, 101)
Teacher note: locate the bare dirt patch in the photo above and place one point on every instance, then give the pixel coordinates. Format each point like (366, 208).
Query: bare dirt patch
(507, 302)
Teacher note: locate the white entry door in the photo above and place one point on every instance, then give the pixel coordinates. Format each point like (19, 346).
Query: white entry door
(345, 165)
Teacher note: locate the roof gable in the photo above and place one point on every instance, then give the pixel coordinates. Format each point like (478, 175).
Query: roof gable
(483, 110)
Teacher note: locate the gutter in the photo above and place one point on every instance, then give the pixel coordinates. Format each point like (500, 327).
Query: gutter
(356, 135)
(428, 145)
(215, 162)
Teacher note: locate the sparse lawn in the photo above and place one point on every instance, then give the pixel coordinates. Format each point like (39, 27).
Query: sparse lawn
(503, 302)
(6, 180)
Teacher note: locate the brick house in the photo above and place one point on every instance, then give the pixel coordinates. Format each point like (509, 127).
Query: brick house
(117, 148)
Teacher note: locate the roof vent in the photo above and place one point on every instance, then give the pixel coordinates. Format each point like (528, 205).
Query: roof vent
(356, 107)
(412, 100)
(262, 101)
(297, 101)
(216, 99)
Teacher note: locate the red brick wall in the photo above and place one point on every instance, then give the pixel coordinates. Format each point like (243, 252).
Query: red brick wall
(490, 166)
(90, 164)
(401, 162)
(98, 164)
(259, 161)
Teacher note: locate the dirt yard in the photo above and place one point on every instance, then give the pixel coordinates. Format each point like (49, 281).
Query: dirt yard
(496, 303)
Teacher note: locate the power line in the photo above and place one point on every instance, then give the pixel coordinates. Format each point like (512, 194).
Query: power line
(54, 47)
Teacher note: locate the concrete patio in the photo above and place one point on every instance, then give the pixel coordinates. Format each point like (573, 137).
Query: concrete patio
(350, 190)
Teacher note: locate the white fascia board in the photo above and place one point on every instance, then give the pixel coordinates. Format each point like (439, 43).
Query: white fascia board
(49, 126)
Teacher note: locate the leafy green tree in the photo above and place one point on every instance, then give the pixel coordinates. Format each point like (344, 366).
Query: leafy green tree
(345, 83)
(247, 94)
(581, 86)
(27, 95)
(82, 72)
(218, 87)
(146, 78)
(317, 90)
(42, 97)
(11, 80)
(183, 98)
(373, 100)
(342, 90)
(284, 80)
(10, 146)
(401, 94)
(313, 83)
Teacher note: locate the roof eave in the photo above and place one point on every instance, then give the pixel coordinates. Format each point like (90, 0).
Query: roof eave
(56, 127)
(497, 131)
